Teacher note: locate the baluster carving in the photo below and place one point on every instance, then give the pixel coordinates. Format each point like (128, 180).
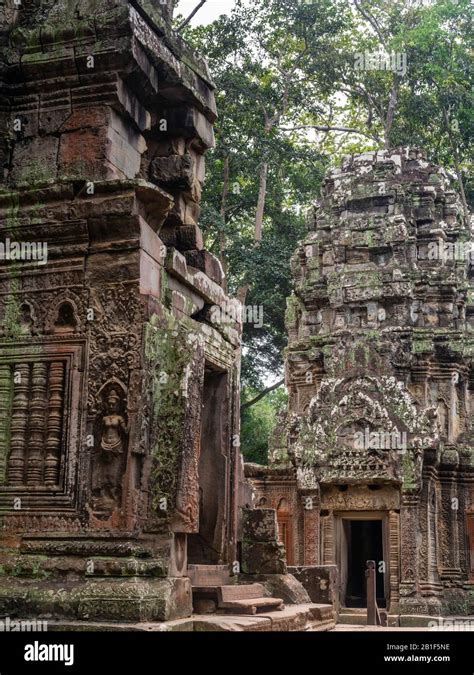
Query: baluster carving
(37, 424)
(5, 416)
(55, 416)
(19, 425)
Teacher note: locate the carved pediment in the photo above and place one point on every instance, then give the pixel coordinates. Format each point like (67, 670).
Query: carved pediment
(364, 429)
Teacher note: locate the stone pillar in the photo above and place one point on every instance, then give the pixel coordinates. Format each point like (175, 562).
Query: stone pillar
(450, 563)
(328, 552)
(410, 600)
(394, 561)
(54, 424)
(37, 424)
(311, 527)
(262, 552)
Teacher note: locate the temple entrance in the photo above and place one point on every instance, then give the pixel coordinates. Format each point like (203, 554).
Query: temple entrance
(208, 546)
(361, 539)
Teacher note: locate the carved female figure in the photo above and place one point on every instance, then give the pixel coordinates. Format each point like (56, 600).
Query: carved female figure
(108, 464)
(114, 426)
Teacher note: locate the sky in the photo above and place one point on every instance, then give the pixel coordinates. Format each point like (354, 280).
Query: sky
(208, 12)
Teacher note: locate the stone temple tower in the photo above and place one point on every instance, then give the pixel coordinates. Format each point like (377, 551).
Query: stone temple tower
(375, 457)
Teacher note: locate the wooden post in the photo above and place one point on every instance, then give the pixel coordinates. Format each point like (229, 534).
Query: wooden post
(371, 597)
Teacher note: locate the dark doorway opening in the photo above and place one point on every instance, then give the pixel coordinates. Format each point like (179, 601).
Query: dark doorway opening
(364, 541)
(207, 547)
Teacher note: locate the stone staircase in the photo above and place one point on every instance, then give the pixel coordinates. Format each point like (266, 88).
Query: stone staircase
(213, 591)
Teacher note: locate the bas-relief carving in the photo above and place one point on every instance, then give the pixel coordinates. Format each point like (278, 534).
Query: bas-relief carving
(41, 313)
(110, 453)
(37, 451)
(346, 409)
(115, 338)
(385, 499)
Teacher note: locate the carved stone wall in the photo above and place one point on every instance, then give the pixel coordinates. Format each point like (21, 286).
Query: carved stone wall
(106, 292)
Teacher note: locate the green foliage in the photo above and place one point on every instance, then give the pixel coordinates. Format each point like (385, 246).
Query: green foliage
(258, 421)
(262, 58)
(166, 343)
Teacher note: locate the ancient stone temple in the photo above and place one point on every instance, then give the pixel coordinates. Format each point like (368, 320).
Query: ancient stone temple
(374, 460)
(118, 377)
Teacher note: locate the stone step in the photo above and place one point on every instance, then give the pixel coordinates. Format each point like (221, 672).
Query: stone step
(358, 617)
(251, 606)
(246, 599)
(293, 618)
(235, 598)
(208, 575)
(323, 613)
(241, 592)
(63, 567)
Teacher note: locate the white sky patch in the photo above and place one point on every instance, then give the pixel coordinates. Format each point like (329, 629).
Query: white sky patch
(210, 11)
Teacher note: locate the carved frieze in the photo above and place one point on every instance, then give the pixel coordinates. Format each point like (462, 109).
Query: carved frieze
(356, 498)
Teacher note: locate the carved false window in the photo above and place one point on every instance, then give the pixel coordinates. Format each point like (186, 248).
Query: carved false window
(66, 321)
(26, 319)
(32, 401)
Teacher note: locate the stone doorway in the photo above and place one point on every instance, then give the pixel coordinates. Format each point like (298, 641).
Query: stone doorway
(360, 539)
(207, 547)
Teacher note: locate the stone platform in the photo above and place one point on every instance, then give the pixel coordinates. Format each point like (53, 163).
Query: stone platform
(295, 618)
(357, 618)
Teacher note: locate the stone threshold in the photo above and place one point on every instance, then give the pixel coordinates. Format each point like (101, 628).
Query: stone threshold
(358, 620)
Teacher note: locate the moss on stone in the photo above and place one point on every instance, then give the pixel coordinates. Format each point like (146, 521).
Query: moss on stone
(168, 352)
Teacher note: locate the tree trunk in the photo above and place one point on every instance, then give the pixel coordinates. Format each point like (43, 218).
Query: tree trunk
(457, 166)
(392, 106)
(465, 207)
(241, 294)
(222, 237)
(262, 191)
